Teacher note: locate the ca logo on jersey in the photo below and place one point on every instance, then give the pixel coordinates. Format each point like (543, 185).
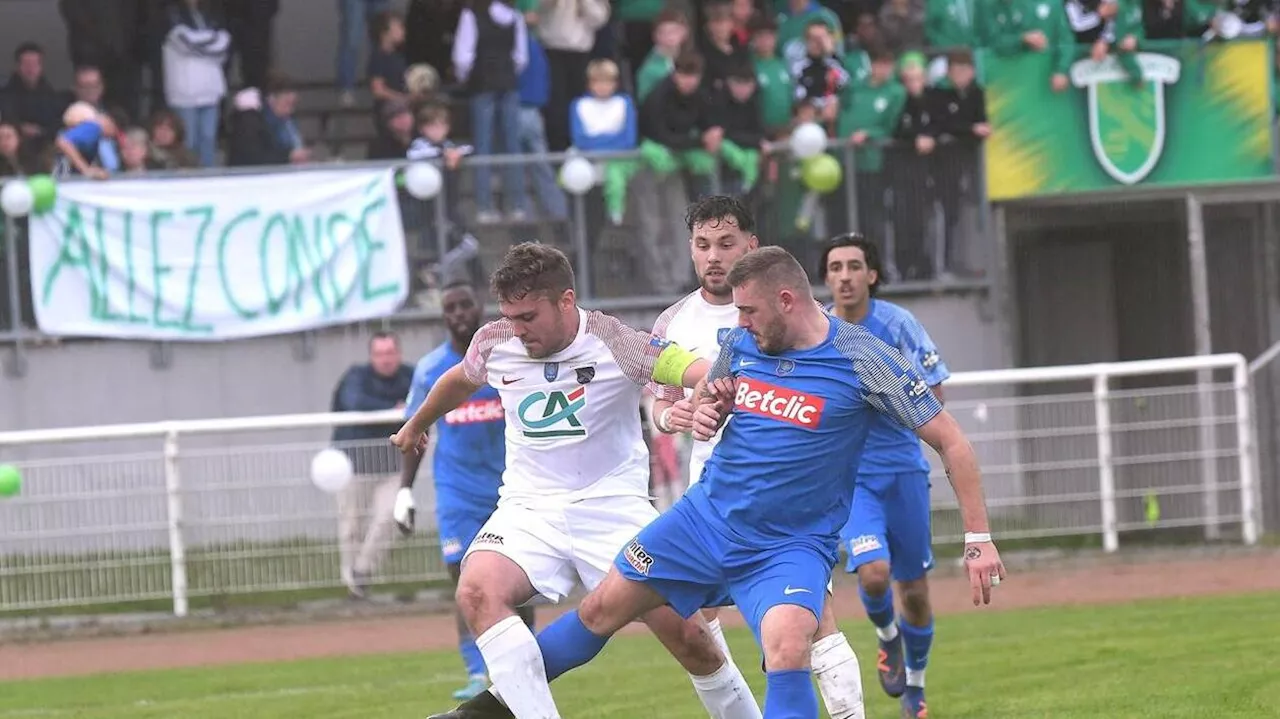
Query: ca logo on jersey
(1127, 123)
(553, 415)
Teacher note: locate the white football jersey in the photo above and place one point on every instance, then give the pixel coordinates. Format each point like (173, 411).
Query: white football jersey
(573, 418)
(698, 326)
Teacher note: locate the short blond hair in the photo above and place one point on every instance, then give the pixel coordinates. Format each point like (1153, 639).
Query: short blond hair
(79, 112)
(602, 69)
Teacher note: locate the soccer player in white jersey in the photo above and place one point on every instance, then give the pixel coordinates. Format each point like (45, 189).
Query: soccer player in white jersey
(722, 230)
(575, 489)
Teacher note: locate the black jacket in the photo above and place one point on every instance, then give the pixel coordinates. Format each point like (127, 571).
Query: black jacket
(916, 119)
(251, 143)
(40, 105)
(954, 113)
(740, 120)
(673, 120)
(819, 79)
(720, 63)
(363, 390)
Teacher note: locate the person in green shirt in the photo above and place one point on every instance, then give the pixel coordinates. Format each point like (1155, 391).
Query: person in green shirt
(1009, 27)
(791, 28)
(670, 33)
(867, 122)
(1121, 36)
(637, 18)
(949, 23)
(773, 79)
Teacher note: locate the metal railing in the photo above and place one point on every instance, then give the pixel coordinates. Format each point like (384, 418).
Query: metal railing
(224, 507)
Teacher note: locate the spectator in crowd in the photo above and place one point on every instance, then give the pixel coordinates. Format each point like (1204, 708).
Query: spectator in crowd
(1121, 35)
(670, 33)
(387, 63)
(251, 24)
(1258, 18)
(109, 144)
(77, 145)
(490, 51)
(797, 18)
(282, 101)
(606, 120)
(1088, 18)
(135, 153)
(720, 50)
(429, 30)
(395, 133)
(250, 142)
(365, 524)
(1006, 28)
(30, 101)
(820, 76)
(744, 11)
(195, 51)
(867, 122)
(87, 86)
(902, 25)
(353, 24)
(638, 18)
(1176, 19)
(958, 115)
(674, 124)
(909, 167)
(534, 86)
(735, 110)
(15, 159)
(866, 32)
(433, 142)
(773, 78)
(950, 23)
(106, 35)
(168, 142)
(567, 29)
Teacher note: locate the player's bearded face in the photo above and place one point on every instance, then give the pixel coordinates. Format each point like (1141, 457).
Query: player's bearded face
(761, 315)
(717, 244)
(461, 312)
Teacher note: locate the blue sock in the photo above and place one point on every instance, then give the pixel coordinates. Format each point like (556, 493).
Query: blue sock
(879, 609)
(789, 695)
(471, 656)
(916, 642)
(567, 643)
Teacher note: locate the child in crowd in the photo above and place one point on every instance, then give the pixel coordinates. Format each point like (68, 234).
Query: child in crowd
(670, 33)
(773, 79)
(605, 120)
(736, 111)
(77, 145)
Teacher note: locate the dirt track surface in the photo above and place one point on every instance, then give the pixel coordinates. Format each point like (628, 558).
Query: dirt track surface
(1107, 583)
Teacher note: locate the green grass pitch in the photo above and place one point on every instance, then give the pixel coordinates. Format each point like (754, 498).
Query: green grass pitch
(1176, 659)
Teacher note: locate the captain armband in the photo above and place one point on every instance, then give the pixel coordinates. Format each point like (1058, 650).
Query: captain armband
(671, 364)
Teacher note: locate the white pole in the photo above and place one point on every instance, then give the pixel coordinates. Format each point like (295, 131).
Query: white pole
(1203, 334)
(1106, 470)
(177, 549)
(1246, 447)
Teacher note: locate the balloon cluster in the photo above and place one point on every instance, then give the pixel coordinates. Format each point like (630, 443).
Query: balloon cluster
(22, 195)
(820, 172)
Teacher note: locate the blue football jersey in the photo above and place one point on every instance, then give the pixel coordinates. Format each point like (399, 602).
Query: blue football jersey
(786, 462)
(470, 452)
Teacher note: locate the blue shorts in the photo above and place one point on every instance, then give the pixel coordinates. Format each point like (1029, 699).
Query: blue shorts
(458, 528)
(890, 522)
(689, 561)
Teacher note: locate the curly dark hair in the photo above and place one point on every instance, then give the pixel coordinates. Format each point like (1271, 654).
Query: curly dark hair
(532, 268)
(870, 253)
(720, 207)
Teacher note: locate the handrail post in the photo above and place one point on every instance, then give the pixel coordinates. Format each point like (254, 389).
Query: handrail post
(1245, 448)
(177, 547)
(1106, 468)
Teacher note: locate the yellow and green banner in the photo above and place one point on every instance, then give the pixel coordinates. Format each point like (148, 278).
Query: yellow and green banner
(1200, 113)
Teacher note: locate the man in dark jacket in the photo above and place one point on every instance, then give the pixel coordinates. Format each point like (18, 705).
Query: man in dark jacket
(675, 128)
(105, 34)
(908, 162)
(30, 102)
(365, 523)
(958, 111)
(735, 109)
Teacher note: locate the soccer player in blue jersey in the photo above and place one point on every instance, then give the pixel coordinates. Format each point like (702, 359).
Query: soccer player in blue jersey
(467, 465)
(804, 389)
(888, 533)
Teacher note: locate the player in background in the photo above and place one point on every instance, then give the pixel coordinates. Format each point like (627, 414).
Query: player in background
(804, 388)
(721, 231)
(467, 465)
(888, 535)
(576, 483)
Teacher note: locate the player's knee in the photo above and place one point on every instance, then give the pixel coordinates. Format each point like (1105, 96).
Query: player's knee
(915, 600)
(874, 578)
(786, 635)
(697, 651)
(474, 601)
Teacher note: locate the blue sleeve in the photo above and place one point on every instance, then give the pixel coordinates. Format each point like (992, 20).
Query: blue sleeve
(631, 131)
(352, 396)
(577, 135)
(891, 385)
(918, 347)
(86, 134)
(423, 378)
(723, 366)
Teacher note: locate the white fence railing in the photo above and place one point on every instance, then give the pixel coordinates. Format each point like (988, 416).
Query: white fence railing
(179, 510)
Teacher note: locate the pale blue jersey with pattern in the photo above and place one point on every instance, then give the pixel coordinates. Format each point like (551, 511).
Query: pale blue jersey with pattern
(786, 463)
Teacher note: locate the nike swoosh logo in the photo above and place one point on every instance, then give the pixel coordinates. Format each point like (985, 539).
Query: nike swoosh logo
(746, 363)
(511, 381)
(795, 590)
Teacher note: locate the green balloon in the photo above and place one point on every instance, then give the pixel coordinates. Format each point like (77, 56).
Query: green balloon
(821, 173)
(10, 480)
(45, 192)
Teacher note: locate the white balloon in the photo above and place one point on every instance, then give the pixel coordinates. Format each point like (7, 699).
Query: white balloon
(16, 199)
(423, 180)
(577, 175)
(331, 470)
(808, 140)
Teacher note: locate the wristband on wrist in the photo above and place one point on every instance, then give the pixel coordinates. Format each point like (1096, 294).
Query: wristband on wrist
(662, 421)
(977, 537)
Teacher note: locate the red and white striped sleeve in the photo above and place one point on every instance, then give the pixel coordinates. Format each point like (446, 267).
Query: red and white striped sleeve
(475, 363)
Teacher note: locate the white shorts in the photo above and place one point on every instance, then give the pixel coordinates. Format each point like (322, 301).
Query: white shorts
(560, 544)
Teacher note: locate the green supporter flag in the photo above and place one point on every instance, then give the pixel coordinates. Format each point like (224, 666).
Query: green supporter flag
(776, 93)
(1201, 114)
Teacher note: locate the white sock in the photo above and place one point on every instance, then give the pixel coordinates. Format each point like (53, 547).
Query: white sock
(889, 633)
(725, 693)
(717, 633)
(915, 678)
(515, 667)
(839, 677)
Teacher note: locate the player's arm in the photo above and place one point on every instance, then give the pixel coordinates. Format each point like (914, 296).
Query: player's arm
(646, 358)
(918, 347)
(713, 395)
(449, 392)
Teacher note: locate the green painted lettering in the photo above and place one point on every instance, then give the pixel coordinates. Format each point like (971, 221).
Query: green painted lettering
(103, 278)
(370, 247)
(340, 296)
(131, 280)
(205, 211)
(274, 301)
(224, 271)
(159, 271)
(73, 253)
